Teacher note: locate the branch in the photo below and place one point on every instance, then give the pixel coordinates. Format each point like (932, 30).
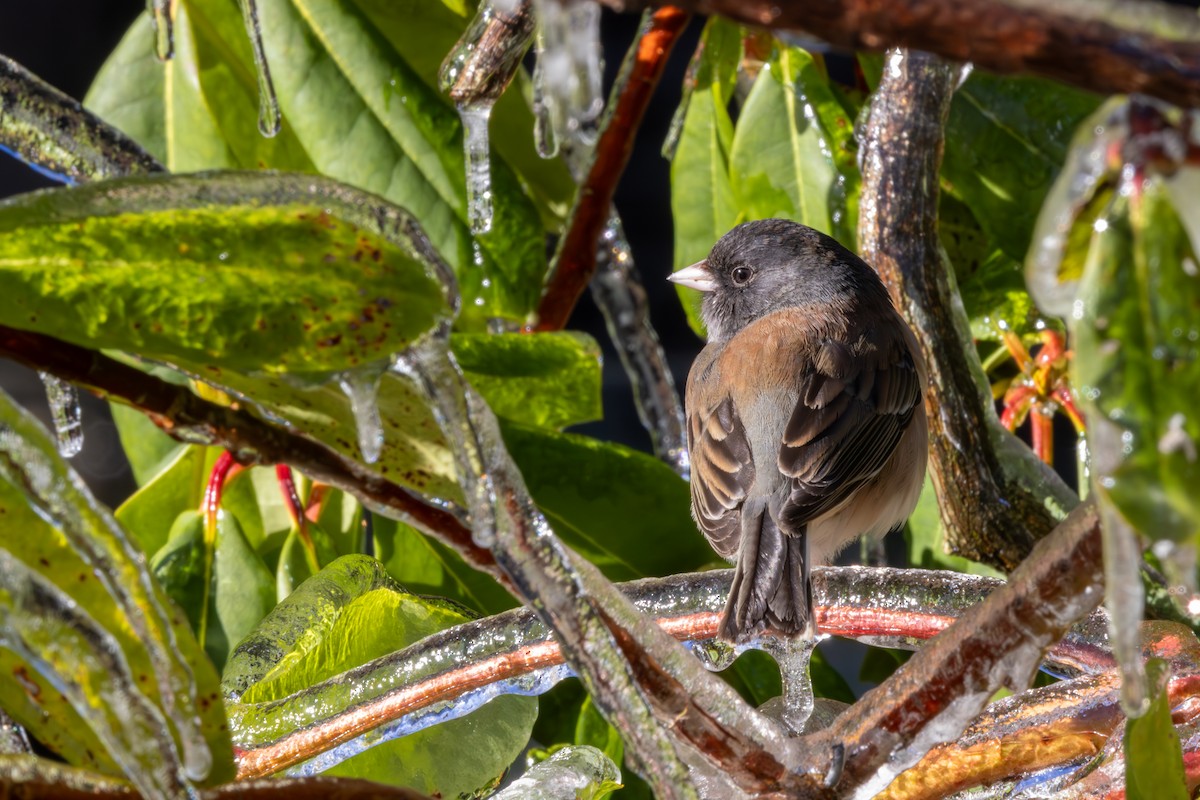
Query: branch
(989, 514)
(54, 134)
(484, 60)
(997, 643)
(189, 418)
(1113, 47)
(575, 258)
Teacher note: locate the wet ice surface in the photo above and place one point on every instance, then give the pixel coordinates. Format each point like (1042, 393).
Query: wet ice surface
(362, 388)
(164, 33)
(566, 775)
(63, 398)
(570, 70)
(269, 118)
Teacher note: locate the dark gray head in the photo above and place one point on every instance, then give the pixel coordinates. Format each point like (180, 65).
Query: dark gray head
(772, 264)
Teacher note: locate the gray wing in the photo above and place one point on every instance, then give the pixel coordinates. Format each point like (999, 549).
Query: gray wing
(853, 407)
(722, 472)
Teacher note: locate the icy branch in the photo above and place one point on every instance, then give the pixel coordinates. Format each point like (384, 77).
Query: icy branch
(483, 62)
(991, 489)
(57, 136)
(575, 259)
(1113, 47)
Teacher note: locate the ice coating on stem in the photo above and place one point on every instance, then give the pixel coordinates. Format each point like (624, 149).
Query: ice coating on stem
(269, 118)
(362, 387)
(29, 460)
(618, 292)
(65, 412)
(572, 73)
(164, 32)
(569, 773)
(477, 154)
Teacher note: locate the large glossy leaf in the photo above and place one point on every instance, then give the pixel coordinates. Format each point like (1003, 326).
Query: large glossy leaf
(149, 513)
(1153, 760)
(703, 206)
(87, 565)
(268, 273)
(1137, 362)
(1006, 140)
(241, 589)
(790, 155)
(369, 621)
(623, 510)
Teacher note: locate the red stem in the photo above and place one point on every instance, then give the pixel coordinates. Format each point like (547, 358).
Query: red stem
(575, 260)
(224, 469)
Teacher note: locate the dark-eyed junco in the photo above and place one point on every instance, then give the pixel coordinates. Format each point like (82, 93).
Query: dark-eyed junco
(805, 418)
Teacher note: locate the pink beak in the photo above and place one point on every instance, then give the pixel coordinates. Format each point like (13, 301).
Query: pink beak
(698, 276)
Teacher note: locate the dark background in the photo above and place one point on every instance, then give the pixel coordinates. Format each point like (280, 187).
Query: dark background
(65, 41)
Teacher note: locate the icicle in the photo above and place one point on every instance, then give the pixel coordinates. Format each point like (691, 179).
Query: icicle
(269, 118)
(362, 387)
(544, 137)
(618, 291)
(716, 655)
(66, 413)
(164, 33)
(793, 655)
(478, 165)
(573, 771)
(569, 58)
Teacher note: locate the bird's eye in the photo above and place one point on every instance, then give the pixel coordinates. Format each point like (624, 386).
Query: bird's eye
(742, 275)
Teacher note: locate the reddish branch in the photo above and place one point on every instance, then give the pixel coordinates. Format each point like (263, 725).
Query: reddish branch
(575, 259)
(1112, 47)
(251, 440)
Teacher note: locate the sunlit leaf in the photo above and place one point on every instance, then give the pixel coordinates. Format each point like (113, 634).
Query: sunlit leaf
(1153, 760)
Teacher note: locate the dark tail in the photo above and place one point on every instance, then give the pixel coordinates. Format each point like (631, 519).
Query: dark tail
(771, 585)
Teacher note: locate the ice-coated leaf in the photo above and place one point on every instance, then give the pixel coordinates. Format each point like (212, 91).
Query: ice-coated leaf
(1137, 361)
(1153, 760)
(703, 206)
(354, 624)
(1006, 140)
(75, 550)
(265, 273)
(549, 380)
(241, 590)
(297, 564)
(624, 511)
(791, 154)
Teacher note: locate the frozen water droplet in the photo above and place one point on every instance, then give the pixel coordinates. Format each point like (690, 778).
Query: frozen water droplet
(66, 413)
(571, 67)
(269, 118)
(164, 28)
(793, 655)
(544, 137)
(714, 654)
(478, 165)
(362, 387)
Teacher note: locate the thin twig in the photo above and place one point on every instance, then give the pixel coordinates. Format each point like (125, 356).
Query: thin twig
(190, 418)
(1113, 47)
(575, 258)
(483, 62)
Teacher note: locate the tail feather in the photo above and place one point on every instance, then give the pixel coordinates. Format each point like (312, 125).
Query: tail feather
(771, 582)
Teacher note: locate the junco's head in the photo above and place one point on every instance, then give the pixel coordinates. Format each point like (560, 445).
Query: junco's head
(766, 265)
(805, 423)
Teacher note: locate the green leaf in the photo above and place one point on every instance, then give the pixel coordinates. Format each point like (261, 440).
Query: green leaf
(1137, 363)
(624, 511)
(926, 539)
(792, 149)
(160, 267)
(591, 728)
(1153, 758)
(1006, 140)
(426, 566)
(548, 380)
(60, 533)
(296, 562)
(703, 206)
(149, 513)
(453, 757)
(241, 590)
(149, 450)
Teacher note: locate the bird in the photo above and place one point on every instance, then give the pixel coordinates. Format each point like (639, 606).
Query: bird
(806, 427)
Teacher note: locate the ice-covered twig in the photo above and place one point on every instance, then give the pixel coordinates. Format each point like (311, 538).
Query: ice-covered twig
(992, 490)
(483, 62)
(190, 418)
(575, 259)
(999, 642)
(619, 294)
(57, 136)
(513, 651)
(1112, 47)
